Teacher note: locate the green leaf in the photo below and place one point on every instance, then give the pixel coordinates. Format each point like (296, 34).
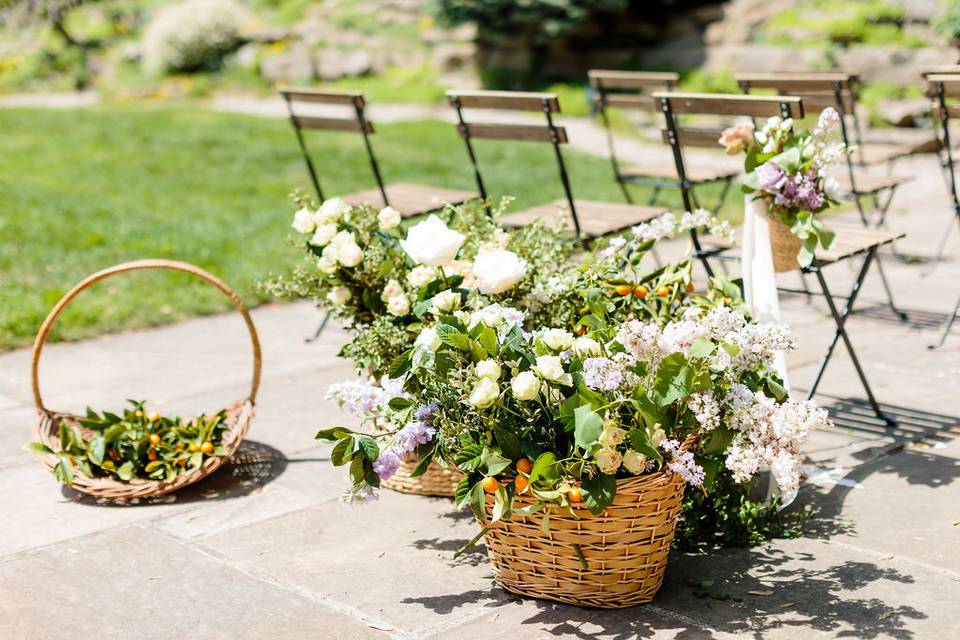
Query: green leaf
(333, 434)
(640, 442)
(399, 404)
(453, 337)
(63, 471)
(38, 448)
(477, 351)
(470, 457)
(356, 470)
(776, 389)
(587, 427)
(544, 468)
(125, 472)
(488, 339)
(342, 452)
(96, 449)
(462, 493)
(494, 462)
(674, 379)
(501, 503)
(425, 459)
(112, 434)
(369, 447)
(508, 441)
(153, 464)
(702, 348)
(598, 492)
(401, 364)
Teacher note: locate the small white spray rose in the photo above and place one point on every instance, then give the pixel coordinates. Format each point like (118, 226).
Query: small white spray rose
(303, 221)
(428, 339)
(550, 368)
(349, 255)
(421, 276)
(388, 218)
(391, 290)
(445, 301)
(324, 234)
(634, 462)
(558, 339)
(657, 438)
(525, 386)
(611, 436)
(484, 393)
(432, 242)
(339, 296)
(330, 211)
(498, 270)
(326, 264)
(608, 460)
(488, 369)
(585, 347)
(398, 305)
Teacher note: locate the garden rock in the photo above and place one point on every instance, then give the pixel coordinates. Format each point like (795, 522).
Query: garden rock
(294, 64)
(333, 64)
(904, 113)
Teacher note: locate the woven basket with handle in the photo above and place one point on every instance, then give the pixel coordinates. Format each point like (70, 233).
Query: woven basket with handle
(784, 245)
(624, 549)
(435, 481)
(239, 413)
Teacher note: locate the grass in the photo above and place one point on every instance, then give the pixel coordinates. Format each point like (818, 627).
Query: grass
(84, 189)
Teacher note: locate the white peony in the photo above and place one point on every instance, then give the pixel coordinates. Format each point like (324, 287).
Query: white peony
(550, 368)
(324, 234)
(432, 242)
(484, 393)
(349, 255)
(608, 460)
(391, 290)
(611, 436)
(584, 347)
(525, 386)
(498, 270)
(634, 462)
(388, 218)
(421, 276)
(339, 296)
(488, 369)
(303, 221)
(445, 301)
(558, 339)
(331, 211)
(398, 305)
(428, 339)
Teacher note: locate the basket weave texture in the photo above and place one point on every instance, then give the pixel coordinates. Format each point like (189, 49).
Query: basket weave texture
(436, 481)
(239, 413)
(625, 547)
(784, 245)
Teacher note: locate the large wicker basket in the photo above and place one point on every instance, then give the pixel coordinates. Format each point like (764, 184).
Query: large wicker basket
(239, 413)
(624, 549)
(784, 245)
(436, 481)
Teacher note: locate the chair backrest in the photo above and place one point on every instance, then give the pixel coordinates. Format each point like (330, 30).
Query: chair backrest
(354, 121)
(942, 87)
(548, 132)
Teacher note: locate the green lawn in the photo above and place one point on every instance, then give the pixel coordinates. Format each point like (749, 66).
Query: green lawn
(84, 189)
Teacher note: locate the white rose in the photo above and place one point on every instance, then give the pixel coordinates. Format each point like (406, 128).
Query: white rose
(608, 460)
(432, 243)
(634, 462)
(657, 438)
(584, 346)
(330, 254)
(326, 265)
(421, 276)
(488, 369)
(349, 255)
(445, 301)
(324, 234)
(551, 369)
(391, 290)
(398, 305)
(428, 339)
(832, 188)
(611, 436)
(484, 394)
(525, 386)
(343, 238)
(498, 270)
(388, 218)
(303, 221)
(490, 315)
(339, 296)
(330, 211)
(558, 339)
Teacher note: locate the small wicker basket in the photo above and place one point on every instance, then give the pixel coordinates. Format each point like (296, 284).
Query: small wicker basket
(784, 245)
(624, 549)
(436, 481)
(239, 413)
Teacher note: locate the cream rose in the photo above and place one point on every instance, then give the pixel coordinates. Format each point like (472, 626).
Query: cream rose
(432, 242)
(525, 386)
(303, 221)
(584, 346)
(658, 437)
(330, 211)
(558, 339)
(484, 393)
(498, 270)
(611, 436)
(445, 301)
(398, 305)
(488, 369)
(349, 255)
(550, 368)
(634, 462)
(391, 290)
(324, 234)
(421, 276)
(428, 339)
(608, 460)
(326, 265)
(388, 218)
(339, 296)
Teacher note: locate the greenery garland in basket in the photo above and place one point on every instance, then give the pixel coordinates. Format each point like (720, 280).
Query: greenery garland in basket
(138, 444)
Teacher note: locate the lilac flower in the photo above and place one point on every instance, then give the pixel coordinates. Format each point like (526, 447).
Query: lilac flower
(360, 495)
(387, 464)
(771, 176)
(413, 435)
(602, 374)
(828, 121)
(426, 412)
(683, 463)
(808, 196)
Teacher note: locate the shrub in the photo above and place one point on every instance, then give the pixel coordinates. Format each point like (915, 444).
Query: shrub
(948, 23)
(192, 35)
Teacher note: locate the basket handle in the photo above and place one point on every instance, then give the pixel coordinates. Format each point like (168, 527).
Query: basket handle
(136, 265)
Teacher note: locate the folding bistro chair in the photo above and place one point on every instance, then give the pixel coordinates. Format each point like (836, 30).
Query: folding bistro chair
(851, 241)
(836, 89)
(942, 87)
(630, 90)
(409, 199)
(590, 219)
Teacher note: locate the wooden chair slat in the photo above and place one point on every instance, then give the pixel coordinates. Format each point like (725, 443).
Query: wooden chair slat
(607, 79)
(795, 83)
(596, 218)
(695, 136)
(510, 100)
(668, 170)
(516, 132)
(851, 240)
(331, 124)
(411, 199)
(953, 110)
(732, 105)
(941, 69)
(626, 101)
(951, 85)
(325, 96)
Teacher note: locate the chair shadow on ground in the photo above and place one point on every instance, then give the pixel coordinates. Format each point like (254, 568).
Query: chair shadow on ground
(252, 467)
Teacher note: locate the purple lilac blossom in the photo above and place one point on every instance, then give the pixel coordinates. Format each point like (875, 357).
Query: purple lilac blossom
(683, 463)
(426, 412)
(413, 435)
(602, 374)
(387, 464)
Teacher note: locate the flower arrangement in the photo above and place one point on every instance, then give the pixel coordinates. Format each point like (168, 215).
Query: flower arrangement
(789, 170)
(137, 444)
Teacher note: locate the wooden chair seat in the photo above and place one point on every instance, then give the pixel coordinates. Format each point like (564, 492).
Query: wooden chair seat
(668, 171)
(868, 183)
(880, 152)
(853, 239)
(596, 218)
(411, 199)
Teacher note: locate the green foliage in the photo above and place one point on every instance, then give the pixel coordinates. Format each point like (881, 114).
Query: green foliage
(699, 81)
(418, 84)
(842, 23)
(948, 22)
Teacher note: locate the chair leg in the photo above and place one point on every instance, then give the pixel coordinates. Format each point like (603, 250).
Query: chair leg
(947, 326)
(323, 325)
(626, 192)
(889, 291)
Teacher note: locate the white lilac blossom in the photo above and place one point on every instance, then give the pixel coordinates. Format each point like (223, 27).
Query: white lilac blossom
(683, 463)
(706, 409)
(664, 226)
(602, 374)
(667, 226)
(827, 123)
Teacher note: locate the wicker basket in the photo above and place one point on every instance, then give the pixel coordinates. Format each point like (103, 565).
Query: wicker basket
(625, 548)
(239, 414)
(784, 245)
(436, 481)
